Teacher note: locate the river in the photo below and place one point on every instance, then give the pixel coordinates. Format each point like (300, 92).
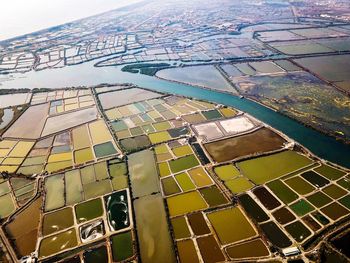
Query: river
(85, 75)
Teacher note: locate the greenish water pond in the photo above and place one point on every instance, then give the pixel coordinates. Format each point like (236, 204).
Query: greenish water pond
(122, 246)
(183, 163)
(89, 210)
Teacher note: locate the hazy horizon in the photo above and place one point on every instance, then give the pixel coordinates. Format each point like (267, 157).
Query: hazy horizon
(19, 17)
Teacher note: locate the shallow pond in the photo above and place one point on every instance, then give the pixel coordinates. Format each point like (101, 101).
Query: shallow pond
(260, 141)
(89, 210)
(250, 249)
(283, 192)
(275, 235)
(6, 118)
(263, 169)
(117, 209)
(153, 233)
(301, 207)
(193, 200)
(73, 187)
(99, 255)
(335, 211)
(24, 228)
(210, 249)
(187, 251)
(225, 223)
(206, 76)
(180, 227)
(213, 196)
(266, 198)
(54, 189)
(138, 142)
(283, 216)
(57, 243)
(298, 231)
(57, 221)
(143, 173)
(122, 246)
(315, 179)
(183, 163)
(252, 208)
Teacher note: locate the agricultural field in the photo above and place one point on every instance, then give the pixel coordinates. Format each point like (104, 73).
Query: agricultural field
(159, 178)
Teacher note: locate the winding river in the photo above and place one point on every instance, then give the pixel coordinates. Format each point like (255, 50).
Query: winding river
(86, 74)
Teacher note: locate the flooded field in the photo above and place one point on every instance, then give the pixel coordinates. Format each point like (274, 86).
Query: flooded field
(11, 100)
(143, 173)
(154, 239)
(69, 120)
(260, 141)
(302, 96)
(24, 227)
(30, 124)
(334, 69)
(306, 40)
(8, 115)
(288, 161)
(123, 97)
(204, 76)
(58, 242)
(250, 249)
(224, 221)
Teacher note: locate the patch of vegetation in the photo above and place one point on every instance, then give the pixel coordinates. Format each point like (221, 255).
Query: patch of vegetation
(149, 69)
(13, 91)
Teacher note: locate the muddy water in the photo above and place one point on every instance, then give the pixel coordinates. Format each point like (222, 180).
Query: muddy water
(210, 249)
(54, 188)
(213, 196)
(198, 224)
(187, 251)
(95, 255)
(275, 235)
(143, 173)
(153, 233)
(250, 249)
(231, 225)
(283, 216)
(252, 208)
(298, 231)
(57, 243)
(180, 227)
(89, 210)
(57, 221)
(266, 198)
(24, 228)
(122, 247)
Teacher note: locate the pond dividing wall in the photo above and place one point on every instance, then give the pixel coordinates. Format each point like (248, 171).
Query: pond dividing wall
(154, 237)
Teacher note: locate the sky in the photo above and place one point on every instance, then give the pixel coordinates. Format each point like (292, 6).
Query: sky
(19, 17)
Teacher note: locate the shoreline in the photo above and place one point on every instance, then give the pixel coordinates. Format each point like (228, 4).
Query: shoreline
(325, 132)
